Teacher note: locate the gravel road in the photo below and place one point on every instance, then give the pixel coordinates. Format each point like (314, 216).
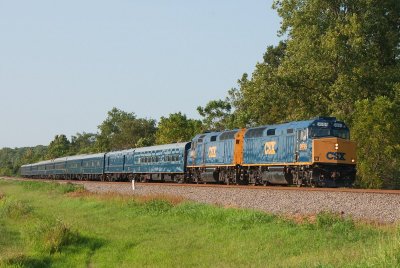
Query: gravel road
(384, 208)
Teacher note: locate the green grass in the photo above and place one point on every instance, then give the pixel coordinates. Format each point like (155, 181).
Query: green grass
(52, 225)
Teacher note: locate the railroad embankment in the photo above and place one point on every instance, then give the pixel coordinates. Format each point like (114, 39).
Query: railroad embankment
(51, 224)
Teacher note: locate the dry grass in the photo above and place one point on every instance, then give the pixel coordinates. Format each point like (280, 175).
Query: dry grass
(172, 199)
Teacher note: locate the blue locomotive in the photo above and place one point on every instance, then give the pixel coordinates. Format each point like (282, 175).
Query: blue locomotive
(315, 152)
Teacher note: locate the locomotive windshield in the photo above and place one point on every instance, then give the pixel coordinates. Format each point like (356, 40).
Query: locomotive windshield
(324, 130)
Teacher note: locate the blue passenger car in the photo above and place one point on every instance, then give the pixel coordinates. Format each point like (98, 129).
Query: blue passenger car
(89, 166)
(60, 166)
(119, 162)
(167, 158)
(161, 162)
(25, 170)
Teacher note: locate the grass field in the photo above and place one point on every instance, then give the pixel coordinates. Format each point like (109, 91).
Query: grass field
(47, 224)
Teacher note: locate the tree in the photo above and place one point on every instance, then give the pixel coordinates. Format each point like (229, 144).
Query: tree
(262, 99)
(338, 52)
(216, 115)
(58, 147)
(376, 130)
(122, 130)
(83, 143)
(177, 128)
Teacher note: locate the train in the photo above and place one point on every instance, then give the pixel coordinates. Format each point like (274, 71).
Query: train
(316, 153)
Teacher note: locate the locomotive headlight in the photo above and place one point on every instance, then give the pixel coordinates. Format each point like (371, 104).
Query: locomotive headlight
(337, 146)
(352, 160)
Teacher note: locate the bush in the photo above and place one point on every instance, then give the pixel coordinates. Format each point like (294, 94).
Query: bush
(14, 209)
(335, 222)
(376, 130)
(52, 236)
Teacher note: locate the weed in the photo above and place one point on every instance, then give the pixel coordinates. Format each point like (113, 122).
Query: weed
(20, 260)
(174, 200)
(52, 236)
(51, 186)
(336, 222)
(14, 209)
(69, 187)
(156, 207)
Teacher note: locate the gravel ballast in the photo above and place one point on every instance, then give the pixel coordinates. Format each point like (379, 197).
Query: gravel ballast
(378, 207)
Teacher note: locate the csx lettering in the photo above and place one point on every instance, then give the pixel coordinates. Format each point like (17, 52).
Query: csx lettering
(269, 147)
(212, 151)
(335, 156)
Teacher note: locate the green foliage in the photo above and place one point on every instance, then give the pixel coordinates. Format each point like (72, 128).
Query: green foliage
(12, 159)
(260, 100)
(216, 115)
(376, 131)
(51, 186)
(59, 147)
(50, 236)
(335, 222)
(122, 130)
(176, 128)
(339, 52)
(14, 209)
(83, 143)
(336, 52)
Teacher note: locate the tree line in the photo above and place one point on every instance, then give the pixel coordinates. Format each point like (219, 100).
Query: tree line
(120, 130)
(336, 58)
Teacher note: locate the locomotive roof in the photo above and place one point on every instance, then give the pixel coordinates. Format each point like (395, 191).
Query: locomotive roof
(287, 125)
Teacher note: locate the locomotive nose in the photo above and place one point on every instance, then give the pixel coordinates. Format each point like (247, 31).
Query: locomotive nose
(334, 151)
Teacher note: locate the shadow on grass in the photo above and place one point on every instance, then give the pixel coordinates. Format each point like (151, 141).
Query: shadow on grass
(81, 244)
(84, 244)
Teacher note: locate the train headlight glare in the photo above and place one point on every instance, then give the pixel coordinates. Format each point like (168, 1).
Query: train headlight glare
(352, 160)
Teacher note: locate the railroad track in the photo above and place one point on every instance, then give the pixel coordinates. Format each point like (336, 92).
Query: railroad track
(211, 185)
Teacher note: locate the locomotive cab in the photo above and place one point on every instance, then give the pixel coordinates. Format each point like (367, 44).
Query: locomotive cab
(333, 154)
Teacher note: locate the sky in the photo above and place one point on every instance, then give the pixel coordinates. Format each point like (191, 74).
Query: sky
(65, 64)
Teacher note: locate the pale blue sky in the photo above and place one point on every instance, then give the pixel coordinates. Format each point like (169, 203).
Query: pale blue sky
(64, 64)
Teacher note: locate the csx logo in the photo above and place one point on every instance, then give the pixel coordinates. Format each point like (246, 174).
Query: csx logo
(212, 151)
(269, 147)
(335, 156)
